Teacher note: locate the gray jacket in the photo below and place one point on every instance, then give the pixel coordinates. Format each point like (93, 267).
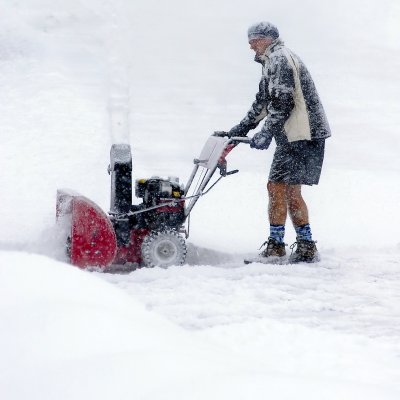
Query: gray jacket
(287, 97)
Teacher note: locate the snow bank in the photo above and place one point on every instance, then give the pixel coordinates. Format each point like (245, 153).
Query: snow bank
(69, 335)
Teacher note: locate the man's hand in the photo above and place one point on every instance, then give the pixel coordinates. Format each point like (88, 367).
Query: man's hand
(261, 140)
(237, 131)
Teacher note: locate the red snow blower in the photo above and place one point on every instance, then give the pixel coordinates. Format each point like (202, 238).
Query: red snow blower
(149, 234)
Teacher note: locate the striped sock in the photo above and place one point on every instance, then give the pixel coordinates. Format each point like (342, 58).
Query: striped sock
(303, 232)
(277, 232)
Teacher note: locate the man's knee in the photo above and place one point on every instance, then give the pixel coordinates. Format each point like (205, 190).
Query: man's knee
(276, 189)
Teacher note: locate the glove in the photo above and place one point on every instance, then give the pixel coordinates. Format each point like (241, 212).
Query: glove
(261, 140)
(237, 130)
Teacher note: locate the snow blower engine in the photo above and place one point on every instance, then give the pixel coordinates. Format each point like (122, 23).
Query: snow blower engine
(149, 234)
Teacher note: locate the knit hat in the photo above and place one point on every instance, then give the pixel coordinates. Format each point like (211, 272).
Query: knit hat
(263, 30)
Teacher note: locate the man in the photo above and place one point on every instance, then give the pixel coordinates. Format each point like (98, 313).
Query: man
(294, 116)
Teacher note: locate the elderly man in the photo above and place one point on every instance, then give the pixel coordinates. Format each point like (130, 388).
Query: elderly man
(294, 116)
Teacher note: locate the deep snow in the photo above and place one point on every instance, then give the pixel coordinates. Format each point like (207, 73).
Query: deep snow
(77, 76)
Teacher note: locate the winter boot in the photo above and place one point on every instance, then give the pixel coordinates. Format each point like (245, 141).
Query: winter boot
(273, 249)
(274, 253)
(306, 251)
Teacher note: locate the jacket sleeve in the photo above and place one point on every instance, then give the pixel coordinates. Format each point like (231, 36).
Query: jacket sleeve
(257, 112)
(281, 94)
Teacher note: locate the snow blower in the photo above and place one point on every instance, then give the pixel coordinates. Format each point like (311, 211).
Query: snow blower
(149, 234)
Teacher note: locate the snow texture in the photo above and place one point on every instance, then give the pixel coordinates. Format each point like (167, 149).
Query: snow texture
(79, 76)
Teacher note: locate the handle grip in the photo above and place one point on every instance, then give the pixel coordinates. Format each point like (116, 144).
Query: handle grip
(239, 139)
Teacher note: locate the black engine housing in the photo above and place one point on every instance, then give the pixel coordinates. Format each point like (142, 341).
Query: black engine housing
(154, 191)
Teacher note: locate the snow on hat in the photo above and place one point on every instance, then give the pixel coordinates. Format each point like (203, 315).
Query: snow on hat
(263, 30)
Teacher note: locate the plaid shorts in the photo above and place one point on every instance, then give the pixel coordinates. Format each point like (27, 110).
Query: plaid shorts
(298, 163)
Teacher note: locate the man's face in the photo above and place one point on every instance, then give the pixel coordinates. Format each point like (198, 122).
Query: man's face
(259, 45)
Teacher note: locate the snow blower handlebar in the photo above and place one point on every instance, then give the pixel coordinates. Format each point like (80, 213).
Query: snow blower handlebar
(240, 139)
(212, 157)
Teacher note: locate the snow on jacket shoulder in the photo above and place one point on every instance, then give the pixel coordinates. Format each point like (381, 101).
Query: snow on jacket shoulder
(287, 97)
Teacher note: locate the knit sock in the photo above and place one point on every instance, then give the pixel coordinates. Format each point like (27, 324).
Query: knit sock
(277, 232)
(303, 232)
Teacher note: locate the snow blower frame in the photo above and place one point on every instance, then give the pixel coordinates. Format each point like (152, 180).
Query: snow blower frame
(150, 234)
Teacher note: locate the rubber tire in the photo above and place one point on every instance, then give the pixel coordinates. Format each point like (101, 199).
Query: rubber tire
(163, 249)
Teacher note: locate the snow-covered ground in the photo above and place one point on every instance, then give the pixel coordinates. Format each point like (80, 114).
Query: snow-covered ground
(172, 73)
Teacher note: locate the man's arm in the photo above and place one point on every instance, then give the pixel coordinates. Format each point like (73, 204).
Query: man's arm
(281, 95)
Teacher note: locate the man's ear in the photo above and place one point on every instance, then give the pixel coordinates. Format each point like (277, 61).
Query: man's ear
(270, 40)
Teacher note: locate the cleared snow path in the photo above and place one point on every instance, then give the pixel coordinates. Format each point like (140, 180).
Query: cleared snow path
(358, 293)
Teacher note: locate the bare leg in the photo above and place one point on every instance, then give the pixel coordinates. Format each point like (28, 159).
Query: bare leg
(277, 207)
(297, 207)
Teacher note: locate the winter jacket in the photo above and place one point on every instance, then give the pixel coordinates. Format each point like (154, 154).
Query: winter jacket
(287, 97)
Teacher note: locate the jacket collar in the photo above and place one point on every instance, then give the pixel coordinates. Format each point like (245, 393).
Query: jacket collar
(277, 43)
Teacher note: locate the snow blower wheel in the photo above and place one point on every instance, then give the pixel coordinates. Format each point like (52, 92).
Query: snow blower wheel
(163, 248)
